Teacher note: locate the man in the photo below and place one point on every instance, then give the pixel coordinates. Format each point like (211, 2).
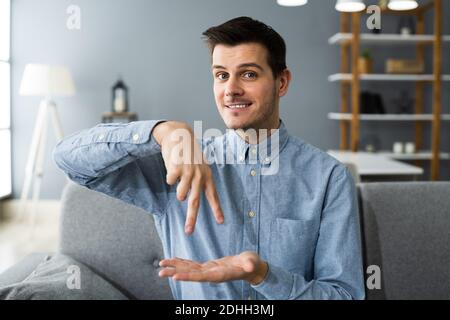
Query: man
(282, 227)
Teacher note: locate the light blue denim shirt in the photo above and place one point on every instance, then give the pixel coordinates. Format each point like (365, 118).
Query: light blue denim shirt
(301, 217)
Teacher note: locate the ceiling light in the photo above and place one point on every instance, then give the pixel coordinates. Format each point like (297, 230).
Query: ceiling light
(350, 5)
(400, 5)
(292, 3)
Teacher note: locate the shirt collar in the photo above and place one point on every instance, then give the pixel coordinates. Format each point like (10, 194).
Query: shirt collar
(265, 151)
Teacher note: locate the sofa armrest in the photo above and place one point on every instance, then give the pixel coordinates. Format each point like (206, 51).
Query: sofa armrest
(22, 269)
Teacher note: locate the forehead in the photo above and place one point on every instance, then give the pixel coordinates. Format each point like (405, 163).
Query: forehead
(232, 56)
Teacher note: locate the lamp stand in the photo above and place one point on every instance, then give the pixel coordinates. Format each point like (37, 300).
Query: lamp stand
(34, 167)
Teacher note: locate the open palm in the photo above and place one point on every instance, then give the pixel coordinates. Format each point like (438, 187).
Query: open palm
(240, 267)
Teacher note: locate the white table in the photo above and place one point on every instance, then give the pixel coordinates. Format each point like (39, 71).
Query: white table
(372, 164)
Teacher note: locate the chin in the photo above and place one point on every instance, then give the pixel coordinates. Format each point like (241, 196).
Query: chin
(232, 124)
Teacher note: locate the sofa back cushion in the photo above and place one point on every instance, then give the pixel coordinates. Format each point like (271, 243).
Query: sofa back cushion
(406, 232)
(115, 239)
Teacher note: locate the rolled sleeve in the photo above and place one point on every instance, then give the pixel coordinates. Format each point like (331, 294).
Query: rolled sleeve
(95, 152)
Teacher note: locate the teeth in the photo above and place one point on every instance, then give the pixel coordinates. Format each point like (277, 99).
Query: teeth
(239, 106)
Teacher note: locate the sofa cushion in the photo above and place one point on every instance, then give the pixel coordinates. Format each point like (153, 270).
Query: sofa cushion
(22, 269)
(406, 233)
(59, 277)
(117, 240)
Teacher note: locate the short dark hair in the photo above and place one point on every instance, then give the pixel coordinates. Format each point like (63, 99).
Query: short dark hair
(245, 30)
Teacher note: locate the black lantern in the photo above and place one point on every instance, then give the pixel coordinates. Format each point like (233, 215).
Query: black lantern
(119, 97)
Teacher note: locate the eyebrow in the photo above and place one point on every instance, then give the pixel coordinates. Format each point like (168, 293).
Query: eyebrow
(243, 65)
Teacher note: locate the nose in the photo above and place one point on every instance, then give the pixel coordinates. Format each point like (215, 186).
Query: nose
(233, 88)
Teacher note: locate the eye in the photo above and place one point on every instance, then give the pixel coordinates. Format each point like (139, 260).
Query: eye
(221, 75)
(250, 75)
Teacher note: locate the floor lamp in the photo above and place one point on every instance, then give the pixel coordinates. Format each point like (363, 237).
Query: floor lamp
(48, 82)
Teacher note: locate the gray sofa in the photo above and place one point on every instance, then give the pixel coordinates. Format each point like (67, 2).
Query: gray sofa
(405, 228)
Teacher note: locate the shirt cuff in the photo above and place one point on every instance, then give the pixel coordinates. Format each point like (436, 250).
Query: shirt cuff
(277, 285)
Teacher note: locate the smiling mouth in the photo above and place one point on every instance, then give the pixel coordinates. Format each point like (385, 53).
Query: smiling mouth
(239, 106)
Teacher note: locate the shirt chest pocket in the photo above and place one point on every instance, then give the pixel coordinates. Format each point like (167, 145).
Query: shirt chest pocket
(292, 244)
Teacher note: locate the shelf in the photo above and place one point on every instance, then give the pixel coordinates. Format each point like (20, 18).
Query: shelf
(369, 38)
(421, 155)
(374, 164)
(386, 77)
(387, 117)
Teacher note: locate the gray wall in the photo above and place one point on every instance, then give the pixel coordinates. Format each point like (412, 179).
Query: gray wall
(156, 46)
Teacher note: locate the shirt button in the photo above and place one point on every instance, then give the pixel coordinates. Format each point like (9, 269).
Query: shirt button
(251, 214)
(135, 137)
(253, 173)
(267, 160)
(254, 151)
(100, 137)
(241, 158)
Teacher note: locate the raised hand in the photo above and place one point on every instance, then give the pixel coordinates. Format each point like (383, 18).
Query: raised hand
(185, 163)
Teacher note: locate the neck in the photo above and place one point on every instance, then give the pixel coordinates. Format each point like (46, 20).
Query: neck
(258, 134)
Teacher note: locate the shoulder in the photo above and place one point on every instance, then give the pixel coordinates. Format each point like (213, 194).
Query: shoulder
(312, 159)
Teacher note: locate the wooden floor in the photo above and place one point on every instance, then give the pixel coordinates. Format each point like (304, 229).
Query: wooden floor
(18, 238)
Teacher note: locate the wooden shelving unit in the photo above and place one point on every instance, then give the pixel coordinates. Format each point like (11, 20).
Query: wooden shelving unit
(387, 77)
(350, 40)
(387, 39)
(386, 117)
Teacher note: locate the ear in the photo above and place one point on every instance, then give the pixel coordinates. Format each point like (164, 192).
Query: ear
(283, 82)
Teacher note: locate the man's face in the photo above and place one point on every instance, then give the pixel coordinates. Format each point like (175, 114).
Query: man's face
(246, 93)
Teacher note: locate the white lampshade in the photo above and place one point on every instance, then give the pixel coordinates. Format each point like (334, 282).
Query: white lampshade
(350, 5)
(47, 81)
(292, 3)
(400, 5)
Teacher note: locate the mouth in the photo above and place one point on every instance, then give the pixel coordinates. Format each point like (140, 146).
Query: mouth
(238, 106)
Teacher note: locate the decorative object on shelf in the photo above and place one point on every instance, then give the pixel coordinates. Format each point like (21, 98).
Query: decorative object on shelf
(119, 117)
(410, 147)
(350, 5)
(402, 5)
(120, 97)
(397, 148)
(48, 82)
(383, 4)
(365, 62)
(292, 3)
(376, 30)
(371, 103)
(404, 104)
(371, 143)
(406, 26)
(404, 66)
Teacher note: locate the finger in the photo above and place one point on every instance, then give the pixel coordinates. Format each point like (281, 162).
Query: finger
(184, 185)
(198, 276)
(167, 263)
(167, 272)
(193, 205)
(175, 262)
(172, 175)
(213, 200)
